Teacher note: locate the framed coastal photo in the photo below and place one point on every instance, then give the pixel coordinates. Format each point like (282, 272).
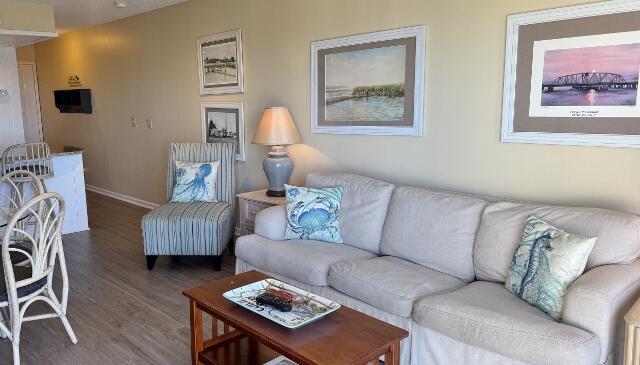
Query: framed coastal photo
(220, 63)
(571, 76)
(369, 84)
(585, 77)
(223, 121)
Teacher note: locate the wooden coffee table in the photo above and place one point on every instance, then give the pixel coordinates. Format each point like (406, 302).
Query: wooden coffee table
(342, 337)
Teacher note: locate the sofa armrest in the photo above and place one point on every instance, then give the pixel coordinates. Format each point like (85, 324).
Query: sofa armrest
(271, 222)
(598, 300)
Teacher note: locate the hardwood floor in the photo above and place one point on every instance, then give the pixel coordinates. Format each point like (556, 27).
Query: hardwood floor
(121, 312)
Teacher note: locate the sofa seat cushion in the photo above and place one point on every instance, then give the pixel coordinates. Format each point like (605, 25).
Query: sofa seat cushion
(486, 315)
(306, 261)
(389, 283)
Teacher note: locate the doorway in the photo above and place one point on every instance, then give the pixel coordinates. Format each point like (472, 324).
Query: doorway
(30, 100)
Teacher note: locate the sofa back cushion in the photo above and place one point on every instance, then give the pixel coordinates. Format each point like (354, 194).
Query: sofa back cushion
(434, 229)
(618, 234)
(364, 206)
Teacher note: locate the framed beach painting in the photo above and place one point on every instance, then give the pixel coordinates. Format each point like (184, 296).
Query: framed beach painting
(571, 76)
(224, 120)
(369, 84)
(220, 63)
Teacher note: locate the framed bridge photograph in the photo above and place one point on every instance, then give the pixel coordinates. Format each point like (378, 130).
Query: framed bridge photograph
(571, 76)
(369, 84)
(586, 77)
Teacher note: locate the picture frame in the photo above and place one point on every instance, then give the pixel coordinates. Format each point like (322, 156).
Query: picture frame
(220, 65)
(223, 121)
(560, 86)
(371, 83)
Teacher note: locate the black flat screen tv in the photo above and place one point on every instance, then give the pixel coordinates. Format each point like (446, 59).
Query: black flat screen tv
(73, 101)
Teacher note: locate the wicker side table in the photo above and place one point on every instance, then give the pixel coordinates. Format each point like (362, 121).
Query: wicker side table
(632, 335)
(250, 204)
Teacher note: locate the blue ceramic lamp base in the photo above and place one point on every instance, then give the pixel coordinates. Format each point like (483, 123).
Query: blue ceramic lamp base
(278, 167)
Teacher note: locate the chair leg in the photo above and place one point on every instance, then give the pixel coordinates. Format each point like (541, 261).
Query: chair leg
(217, 262)
(4, 318)
(16, 352)
(67, 326)
(151, 261)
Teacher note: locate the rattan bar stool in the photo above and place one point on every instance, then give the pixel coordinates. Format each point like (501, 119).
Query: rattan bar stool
(33, 157)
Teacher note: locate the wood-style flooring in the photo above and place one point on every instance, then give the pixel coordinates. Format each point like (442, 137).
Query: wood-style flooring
(121, 312)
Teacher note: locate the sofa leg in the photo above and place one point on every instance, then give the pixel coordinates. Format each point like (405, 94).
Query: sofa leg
(217, 262)
(151, 261)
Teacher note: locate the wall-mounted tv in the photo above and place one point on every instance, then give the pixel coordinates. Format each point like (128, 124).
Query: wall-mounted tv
(73, 101)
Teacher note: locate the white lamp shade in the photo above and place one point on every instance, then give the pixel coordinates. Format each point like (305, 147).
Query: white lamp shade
(276, 127)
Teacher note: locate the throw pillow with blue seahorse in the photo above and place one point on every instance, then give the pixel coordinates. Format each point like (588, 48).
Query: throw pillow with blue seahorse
(313, 214)
(546, 261)
(195, 182)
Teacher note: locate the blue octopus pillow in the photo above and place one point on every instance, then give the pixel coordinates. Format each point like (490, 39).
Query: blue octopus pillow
(545, 264)
(195, 182)
(313, 214)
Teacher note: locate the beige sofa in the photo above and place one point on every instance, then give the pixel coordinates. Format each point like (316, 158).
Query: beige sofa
(435, 263)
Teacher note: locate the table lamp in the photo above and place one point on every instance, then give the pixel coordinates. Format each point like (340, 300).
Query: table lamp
(276, 128)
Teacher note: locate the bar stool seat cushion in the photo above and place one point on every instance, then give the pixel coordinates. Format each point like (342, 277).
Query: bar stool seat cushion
(20, 273)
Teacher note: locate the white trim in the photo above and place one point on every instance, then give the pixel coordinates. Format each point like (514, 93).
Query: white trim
(124, 198)
(28, 33)
(239, 105)
(511, 52)
(237, 34)
(37, 91)
(19, 38)
(419, 32)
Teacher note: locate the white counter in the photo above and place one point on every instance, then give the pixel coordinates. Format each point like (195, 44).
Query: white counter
(68, 181)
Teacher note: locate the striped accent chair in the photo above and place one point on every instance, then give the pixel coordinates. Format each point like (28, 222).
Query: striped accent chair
(203, 229)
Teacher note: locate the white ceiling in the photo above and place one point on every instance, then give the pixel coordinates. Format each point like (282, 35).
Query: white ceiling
(76, 14)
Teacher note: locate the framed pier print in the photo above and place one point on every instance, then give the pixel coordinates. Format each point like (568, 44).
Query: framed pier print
(571, 76)
(220, 63)
(369, 84)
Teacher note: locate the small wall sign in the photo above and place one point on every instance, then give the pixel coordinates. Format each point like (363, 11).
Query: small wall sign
(74, 81)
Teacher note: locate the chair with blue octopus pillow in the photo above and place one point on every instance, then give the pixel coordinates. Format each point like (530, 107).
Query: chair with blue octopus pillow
(197, 220)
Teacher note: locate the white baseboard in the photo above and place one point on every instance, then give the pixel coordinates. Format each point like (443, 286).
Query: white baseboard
(124, 198)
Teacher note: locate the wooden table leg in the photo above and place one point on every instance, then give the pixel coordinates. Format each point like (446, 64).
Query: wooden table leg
(253, 351)
(392, 357)
(196, 332)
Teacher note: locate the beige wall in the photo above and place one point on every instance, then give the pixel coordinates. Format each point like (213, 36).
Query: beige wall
(27, 17)
(146, 66)
(26, 54)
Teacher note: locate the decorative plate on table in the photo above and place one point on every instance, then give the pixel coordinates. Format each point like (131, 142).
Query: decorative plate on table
(307, 307)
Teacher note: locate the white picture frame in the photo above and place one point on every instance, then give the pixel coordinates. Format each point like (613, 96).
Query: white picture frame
(223, 124)
(514, 22)
(417, 109)
(230, 73)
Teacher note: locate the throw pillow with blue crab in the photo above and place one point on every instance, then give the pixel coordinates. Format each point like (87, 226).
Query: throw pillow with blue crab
(313, 214)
